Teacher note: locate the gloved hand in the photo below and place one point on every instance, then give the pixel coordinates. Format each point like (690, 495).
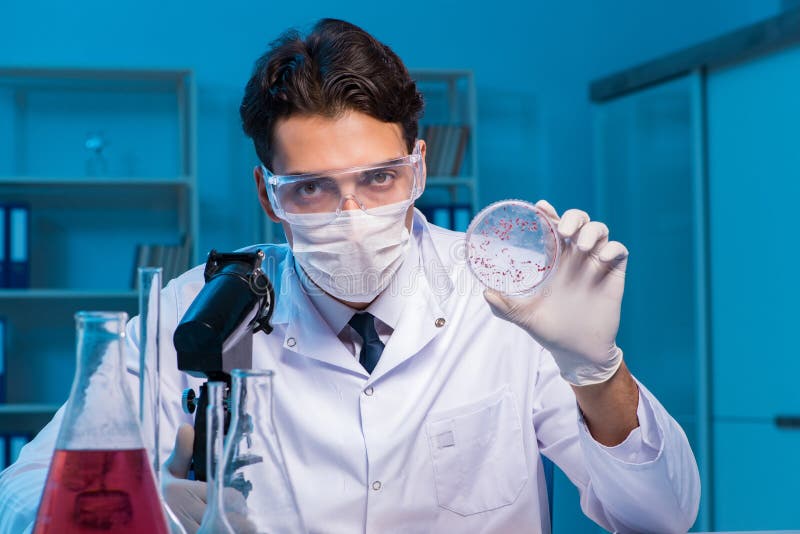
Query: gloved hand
(575, 315)
(186, 498)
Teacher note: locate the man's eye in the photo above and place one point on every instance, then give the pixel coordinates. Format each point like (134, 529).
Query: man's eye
(309, 188)
(381, 177)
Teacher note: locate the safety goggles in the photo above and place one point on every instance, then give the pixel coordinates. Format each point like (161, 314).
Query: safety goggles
(325, 193)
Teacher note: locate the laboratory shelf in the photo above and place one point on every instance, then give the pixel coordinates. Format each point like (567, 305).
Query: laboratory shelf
(89, 181)
(91, 206)
(436, 75)
(466, 181)
(65, 294)
(25, 418)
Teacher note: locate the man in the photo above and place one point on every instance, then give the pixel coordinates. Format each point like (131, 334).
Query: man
(407, 400)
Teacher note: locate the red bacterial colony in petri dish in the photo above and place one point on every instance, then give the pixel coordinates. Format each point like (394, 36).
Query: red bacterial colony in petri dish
(512, 247)
(100, 491)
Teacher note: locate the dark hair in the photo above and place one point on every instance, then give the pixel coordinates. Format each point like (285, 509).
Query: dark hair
(337, 68)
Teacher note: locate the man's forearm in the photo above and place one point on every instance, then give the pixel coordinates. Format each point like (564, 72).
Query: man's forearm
(609, 408)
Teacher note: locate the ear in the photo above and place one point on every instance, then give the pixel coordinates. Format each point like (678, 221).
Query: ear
(263, 198)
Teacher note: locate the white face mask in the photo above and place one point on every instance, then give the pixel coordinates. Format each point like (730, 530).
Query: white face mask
(354, 257)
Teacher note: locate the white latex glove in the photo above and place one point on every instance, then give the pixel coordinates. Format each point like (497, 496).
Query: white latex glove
(575, 315)
(186, 498)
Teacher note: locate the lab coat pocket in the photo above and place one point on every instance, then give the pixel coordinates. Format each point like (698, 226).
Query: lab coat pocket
(478, 454)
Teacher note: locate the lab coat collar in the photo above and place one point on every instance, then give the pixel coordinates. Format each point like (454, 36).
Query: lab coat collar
(436, 271)
(278, 267)
(335, 313)
(388, 306)
(308, 333)
(416, 315)
(420, 320)
(425, 285)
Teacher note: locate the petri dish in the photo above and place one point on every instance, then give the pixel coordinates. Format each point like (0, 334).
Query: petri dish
(512, 247)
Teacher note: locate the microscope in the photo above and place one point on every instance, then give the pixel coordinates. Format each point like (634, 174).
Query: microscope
(216, 333)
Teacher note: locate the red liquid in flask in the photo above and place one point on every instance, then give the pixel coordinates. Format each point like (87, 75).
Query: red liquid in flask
(100, 491)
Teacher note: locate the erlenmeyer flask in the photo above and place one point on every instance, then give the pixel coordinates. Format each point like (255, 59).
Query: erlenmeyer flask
(253, 464)
(214, 519)
(100, 477)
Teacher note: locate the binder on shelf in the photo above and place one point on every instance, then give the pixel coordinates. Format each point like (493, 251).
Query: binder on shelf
(169, 263)
(438, 135)
(185, 262)
(3, 366)
(140, 259)
(427, 211)
(446, 148)
(452, 133)
(451, 216)
(157, 259)
(461, 217)
(461, 149)
(441, 217)
(437, 214)
(173, 259)
(3, 246)
(431, 136)
(441, 148)
(18, 245)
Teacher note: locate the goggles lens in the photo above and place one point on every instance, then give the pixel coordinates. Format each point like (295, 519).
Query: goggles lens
(369, 186)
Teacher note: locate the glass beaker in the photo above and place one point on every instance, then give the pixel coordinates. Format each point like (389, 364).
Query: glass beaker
(149, 360)
(100, 477)
(150, 375)
(253, 463)
(214, 519)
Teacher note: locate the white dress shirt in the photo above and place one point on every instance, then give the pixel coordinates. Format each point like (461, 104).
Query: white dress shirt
(446, 433)
(387, 308)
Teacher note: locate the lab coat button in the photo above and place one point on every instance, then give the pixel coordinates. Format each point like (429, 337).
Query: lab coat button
(368, 392)
(439, 322)
(291, 342)
(376, 485)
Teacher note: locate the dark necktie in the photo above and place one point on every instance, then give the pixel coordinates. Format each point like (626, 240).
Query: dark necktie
(364, 324)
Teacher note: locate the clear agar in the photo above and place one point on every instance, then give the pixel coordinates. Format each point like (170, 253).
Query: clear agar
(512, 247)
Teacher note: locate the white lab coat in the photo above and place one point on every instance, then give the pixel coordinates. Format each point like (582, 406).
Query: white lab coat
(444, 436)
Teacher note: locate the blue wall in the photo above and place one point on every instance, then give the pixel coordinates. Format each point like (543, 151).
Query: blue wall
(533, 61)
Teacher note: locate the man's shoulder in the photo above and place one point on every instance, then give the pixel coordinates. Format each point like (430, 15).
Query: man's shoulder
(439, 233)
(275, 254)
(275, 257)
(449, 245)
(185, 288)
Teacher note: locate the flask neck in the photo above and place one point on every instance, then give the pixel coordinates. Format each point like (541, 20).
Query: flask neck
(252, 393)
(100, 411)
(214, 519)
(215, 432)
